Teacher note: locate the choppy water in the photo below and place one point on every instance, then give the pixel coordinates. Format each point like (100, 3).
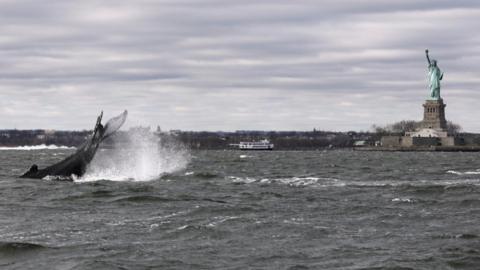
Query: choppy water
(249, 210)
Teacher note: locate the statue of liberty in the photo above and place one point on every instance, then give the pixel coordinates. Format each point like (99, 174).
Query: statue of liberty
(434, 78)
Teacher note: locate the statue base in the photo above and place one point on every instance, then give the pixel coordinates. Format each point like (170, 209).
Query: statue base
(432, 131)
(434, 115)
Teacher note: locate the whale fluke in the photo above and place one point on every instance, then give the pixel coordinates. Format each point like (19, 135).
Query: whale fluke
(76, 164)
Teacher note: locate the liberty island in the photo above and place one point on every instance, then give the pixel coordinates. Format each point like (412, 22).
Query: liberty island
(432, 134)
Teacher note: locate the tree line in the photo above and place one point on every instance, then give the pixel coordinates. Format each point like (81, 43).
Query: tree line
(409, 126)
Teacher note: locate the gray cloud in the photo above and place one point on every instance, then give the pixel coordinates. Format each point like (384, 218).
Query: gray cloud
(227, 65)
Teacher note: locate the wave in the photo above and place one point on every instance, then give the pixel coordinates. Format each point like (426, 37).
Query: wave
(215, 222)
(143, 199)
(205, 175)
(456, 236)
(154, 198)
(333, 182)
(59, 178)
(403, 200)
(9, 247)
(36, 147)
(291, 181)
(464, 173)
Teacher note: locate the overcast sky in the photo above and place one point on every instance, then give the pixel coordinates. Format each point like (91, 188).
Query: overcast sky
(231, 65)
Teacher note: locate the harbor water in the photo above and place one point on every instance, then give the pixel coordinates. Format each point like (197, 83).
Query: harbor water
(336, 209)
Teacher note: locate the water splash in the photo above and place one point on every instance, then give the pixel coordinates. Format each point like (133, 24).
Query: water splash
(137, 156)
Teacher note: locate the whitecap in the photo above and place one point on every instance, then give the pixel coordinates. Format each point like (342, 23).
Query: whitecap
(454, 172)
(36, 147)
(182, 227)
(333, 182)
(219, 220)
(245, 180)
(464, 173)
(59, 178)
(402, 200)
(291, 181)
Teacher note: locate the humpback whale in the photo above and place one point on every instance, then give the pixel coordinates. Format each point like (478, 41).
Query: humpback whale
(76, 164)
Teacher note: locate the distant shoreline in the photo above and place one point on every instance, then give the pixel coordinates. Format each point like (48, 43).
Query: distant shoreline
(283, 140)
(421, 149)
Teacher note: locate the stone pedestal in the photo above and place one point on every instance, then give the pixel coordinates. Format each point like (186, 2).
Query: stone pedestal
(432, 131)
(434, 115)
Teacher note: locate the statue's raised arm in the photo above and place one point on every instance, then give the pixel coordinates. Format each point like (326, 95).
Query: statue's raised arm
(428, 58)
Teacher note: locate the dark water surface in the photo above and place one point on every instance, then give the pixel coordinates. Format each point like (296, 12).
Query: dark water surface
(249, 210)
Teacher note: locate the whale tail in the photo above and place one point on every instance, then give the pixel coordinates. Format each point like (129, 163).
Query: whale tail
(114, 124)
(102, 132)
(77, 163)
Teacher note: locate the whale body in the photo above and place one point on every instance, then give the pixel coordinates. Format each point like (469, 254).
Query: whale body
(76, 164)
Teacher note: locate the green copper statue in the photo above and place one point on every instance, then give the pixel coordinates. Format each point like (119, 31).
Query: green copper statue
(434, 78)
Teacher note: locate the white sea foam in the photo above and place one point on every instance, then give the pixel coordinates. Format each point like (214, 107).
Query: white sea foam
(408, 200)
(181, 228)
(464, 173)
(245, 180)
(142, 158)
(333, 182)
(219, 220)
(291, 181)
(36, 147)
(58, 178)
(415, 183)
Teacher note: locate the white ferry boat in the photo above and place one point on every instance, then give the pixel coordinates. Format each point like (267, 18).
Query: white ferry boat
(259, 145)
